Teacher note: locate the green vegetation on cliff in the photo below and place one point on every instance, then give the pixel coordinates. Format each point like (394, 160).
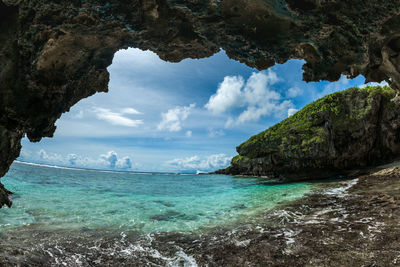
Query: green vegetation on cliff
(302, 131)
(350, 128)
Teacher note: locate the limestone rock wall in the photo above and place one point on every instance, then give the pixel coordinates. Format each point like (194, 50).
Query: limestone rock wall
(333, 136)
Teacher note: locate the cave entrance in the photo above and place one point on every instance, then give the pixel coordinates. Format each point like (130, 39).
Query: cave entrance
(176, 117)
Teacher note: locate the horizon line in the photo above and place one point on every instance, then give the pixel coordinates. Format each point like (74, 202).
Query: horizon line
(99, 170)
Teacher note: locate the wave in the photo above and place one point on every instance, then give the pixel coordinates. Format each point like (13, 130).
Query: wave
(51, 166)
(98, 170)
(80, 249)
(67, 168)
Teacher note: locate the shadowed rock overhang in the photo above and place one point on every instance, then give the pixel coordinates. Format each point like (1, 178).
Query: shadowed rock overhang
(54, 53)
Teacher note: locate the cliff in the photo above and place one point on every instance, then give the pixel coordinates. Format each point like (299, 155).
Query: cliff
(332, 136)
(55, 53)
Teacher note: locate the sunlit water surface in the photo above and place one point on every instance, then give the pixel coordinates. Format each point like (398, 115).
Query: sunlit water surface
(71, 203)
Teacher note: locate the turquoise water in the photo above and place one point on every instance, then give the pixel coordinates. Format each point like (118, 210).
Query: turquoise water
(72, 217)
(56, 198)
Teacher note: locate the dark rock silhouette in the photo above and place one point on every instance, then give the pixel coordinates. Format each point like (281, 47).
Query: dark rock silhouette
(55, 53)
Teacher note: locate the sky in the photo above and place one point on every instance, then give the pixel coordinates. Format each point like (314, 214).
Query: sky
(176, 117)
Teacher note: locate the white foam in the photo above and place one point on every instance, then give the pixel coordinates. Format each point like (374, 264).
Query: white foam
(289, 236)
(341, 191)
(188, 261)
(243, 243)
(49, 166)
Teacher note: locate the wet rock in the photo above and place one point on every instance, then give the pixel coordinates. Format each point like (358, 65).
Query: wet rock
(239, 207)
(168, 216)
(173, 215)
(164, 203)
(332, 226)
(4, 197)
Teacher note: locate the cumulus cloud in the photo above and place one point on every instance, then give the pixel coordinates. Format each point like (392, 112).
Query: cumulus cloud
(50, 157)
(172, 119)
(109, 160)
(334, 87)
(72, 159)
(117, 118)
(291, 111)
(254, 113)
(255, 96)
(228, 95)
(194, 163)
(342, 84)
(293, 92)
(43, 154)
(124, 163)
(374, 84)
(189, 133)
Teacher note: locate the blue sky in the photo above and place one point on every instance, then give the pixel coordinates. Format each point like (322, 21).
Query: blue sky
(187, 116)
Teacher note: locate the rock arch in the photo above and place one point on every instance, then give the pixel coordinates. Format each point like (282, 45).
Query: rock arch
(54, 53)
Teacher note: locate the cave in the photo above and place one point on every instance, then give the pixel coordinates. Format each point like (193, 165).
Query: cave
(56, 53)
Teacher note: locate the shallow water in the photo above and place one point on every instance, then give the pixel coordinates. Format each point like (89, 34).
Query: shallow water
(55, 198)
(117, 213)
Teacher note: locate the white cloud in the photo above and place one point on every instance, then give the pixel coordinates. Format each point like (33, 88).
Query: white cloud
(228, 95)
(51, 157)
(254, 113)
(137, 58)
(215, 132)
(124, 163)
(25, 154)
(374, 84)
(107, 160)
(78, 114)
(130, 111)
(342, 84)
(116, 118)
(255, 96)
(210, 163)
(72, 159)
(172, 119)
(110, 159)
(43, 154)
(189, 133)
(334, 87)
(293, 92)
(291, 111)
(257, 92)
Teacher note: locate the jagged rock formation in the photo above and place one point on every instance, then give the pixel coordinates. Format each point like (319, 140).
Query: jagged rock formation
(332, 136)
(54, 53)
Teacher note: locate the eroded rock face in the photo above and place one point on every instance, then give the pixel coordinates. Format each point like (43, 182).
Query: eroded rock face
(332, 136)
(54, 53)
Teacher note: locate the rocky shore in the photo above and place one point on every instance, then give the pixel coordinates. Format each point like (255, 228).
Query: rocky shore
(352, 222)
(349, 223)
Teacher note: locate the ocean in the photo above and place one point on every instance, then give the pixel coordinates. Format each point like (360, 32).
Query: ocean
(75, 217)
